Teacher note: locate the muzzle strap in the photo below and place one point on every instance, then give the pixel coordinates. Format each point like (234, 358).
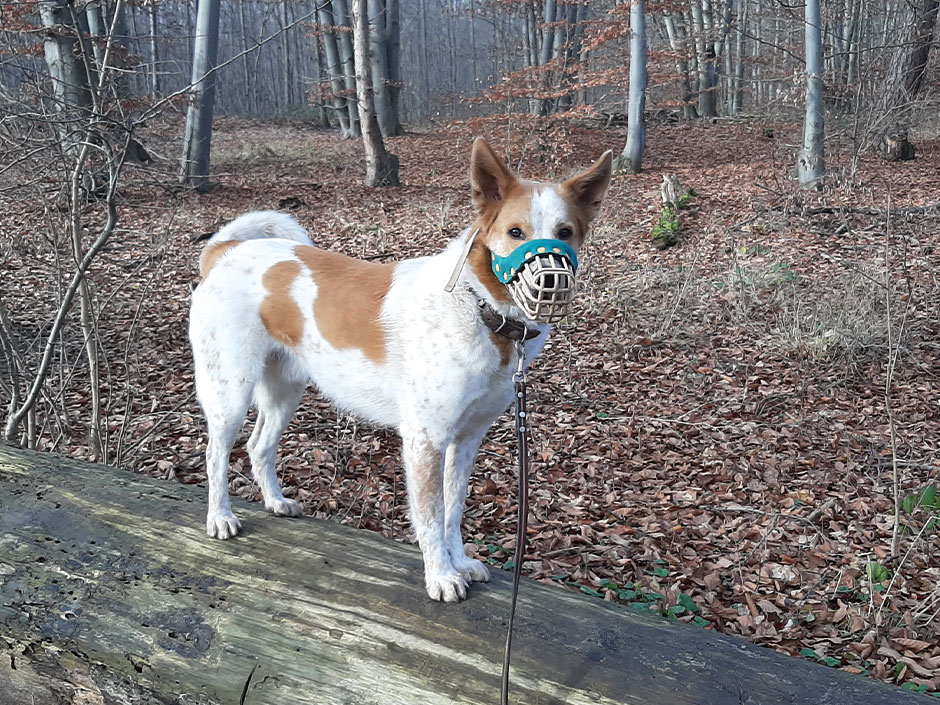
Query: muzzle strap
(455, 275)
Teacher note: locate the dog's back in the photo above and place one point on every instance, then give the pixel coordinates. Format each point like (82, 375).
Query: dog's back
(258, 225)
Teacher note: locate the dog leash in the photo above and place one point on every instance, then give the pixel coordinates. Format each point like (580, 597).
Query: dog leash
(519, 380)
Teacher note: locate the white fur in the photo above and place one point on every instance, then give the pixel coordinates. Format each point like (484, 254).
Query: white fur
(261, 225)
(441, 385)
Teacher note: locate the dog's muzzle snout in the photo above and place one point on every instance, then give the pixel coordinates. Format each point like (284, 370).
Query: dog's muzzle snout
(540, 276)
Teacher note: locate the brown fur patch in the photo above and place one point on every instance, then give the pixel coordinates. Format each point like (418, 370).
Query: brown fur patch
(350, 294)
(279, 312)
(213, 253)
(428, 485)
(497, 218)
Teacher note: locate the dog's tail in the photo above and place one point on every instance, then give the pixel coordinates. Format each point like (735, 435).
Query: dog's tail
(256, 225)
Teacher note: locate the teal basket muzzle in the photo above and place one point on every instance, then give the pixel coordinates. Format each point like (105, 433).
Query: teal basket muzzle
(540, 277)
(506, 268)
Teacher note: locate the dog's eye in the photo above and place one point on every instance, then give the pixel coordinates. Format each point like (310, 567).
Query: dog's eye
(516, 233)
(564, 234)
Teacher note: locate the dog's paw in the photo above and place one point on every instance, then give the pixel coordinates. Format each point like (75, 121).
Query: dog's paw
(446, 587)
(284, 507)
(472, 570)
(222, 525)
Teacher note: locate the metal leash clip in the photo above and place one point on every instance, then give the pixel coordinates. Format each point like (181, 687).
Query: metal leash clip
(519, 375)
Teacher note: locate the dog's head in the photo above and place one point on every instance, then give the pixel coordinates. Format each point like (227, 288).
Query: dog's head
(530, 233)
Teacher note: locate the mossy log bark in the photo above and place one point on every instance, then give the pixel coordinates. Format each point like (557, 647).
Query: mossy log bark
(111, 593)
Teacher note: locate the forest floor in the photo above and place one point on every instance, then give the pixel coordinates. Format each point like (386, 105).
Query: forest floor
(726, 432)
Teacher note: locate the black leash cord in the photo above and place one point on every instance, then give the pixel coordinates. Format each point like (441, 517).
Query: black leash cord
(523, 443)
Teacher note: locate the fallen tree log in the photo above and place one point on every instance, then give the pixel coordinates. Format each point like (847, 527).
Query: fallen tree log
(110, 592)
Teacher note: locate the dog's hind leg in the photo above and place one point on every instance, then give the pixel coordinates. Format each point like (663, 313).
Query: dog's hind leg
(277, 397)
(458, 464)
(225, 403)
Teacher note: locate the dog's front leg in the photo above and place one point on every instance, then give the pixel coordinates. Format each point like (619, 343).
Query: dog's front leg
(458, 464)
(424, 469)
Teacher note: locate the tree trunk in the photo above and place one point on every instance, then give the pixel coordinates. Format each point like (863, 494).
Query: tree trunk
(678, 42)
(154, 65)
(381, 167)
(323, 79)
(97, 31)
(379, 58)
(70, 87)
(631, 158)
(543, 106)
(705, 61)
(286, 69)
(110, 584)
(251, 98)
(425, 55)
(811, 163)
(334, 68)
(572, 54)
(393, 49)
(345, 43)
(851, 72)
(918, 54)
(194, 168)
(737, 91)
(529, 36)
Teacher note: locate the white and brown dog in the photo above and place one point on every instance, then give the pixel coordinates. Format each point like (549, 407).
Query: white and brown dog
(386, 342)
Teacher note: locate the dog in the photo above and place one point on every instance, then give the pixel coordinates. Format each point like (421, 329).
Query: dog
(427, 346)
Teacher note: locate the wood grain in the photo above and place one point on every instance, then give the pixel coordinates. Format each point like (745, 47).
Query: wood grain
(109, 587)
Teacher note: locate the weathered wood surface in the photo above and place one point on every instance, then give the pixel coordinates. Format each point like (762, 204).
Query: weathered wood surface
(111, 593)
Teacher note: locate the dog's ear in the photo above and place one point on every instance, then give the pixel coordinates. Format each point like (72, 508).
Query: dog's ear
(490, 179)
(586, 190)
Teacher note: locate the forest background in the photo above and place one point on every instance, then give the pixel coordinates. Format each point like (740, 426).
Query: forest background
(743, 426)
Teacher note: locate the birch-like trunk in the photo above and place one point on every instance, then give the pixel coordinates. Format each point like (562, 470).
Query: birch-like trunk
(334, 68)
(678, 42)
(379, 54)
(705, 60)
(811, 163)
(381, 167)
(631, 158)
(194, 166)
(154, 64)
(286, 69)
(344, 42)
(737, 90)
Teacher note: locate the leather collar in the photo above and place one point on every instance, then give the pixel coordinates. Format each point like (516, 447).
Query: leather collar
(506, 327)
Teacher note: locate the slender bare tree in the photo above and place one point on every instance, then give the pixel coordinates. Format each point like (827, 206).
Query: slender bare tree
(811, 164)
(194, 166)
(631, 158)
(381, 166)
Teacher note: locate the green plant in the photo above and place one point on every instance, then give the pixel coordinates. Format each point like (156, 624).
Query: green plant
(927, 500)
(644, 599)
(830, 661)
(876, 572)
(666, 232)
